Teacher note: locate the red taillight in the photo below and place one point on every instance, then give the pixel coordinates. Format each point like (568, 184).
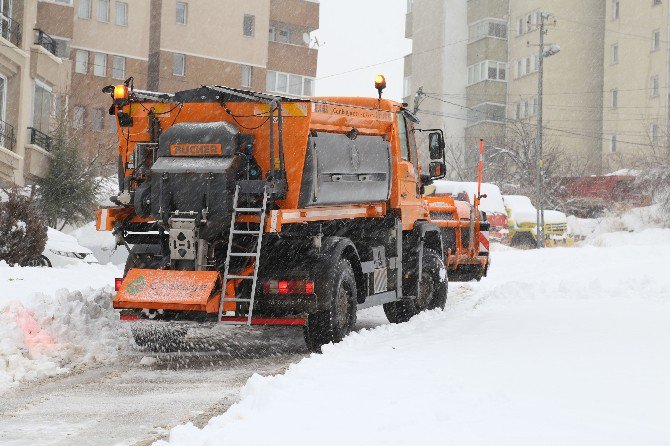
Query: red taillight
(288, 287)
(117, 283)
(283, 287)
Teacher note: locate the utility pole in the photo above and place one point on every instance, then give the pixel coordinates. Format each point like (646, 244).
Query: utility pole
(539, 231)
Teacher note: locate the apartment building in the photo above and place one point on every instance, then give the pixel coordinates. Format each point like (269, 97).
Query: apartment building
(166, 45)
(636, 83)
(573, 78)
(459, 60)
(29, 75)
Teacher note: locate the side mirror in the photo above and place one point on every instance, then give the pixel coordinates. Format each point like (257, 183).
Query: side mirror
(436, 146)
(437, 169)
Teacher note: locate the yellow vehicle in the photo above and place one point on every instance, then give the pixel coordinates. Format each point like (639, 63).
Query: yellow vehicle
(522, 221)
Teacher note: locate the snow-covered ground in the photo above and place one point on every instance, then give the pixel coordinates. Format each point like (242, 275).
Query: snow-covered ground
(53, 319)
(559, 346)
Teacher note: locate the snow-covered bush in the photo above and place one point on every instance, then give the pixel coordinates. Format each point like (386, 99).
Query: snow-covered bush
(23, 232)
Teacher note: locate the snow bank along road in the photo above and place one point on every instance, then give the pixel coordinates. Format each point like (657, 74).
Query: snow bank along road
(561, 346)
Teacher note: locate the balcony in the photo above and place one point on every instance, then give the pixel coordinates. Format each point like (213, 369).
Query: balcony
(45, 41)
(10, 30)
(7, 138)
(40, 139)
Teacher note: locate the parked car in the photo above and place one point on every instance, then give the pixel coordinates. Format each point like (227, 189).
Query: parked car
(522, 220)
(492, 205)
(62, 250)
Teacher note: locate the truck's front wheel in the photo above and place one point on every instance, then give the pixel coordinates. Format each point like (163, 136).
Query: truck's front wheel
(334, 324)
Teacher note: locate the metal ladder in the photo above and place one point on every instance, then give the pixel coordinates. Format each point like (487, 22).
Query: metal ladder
(255, 255)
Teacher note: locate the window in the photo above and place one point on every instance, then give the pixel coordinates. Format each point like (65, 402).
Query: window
(84, 11)
(518, 69)
(248, 25)
(528, 66)
(654, 87)
(41, 107)
(289, 83)
(656, 2)
(535, 106)
(98, 119)
(487, 112)
(284, 35)
(403, 137)
(406, 86)
(78, 115)
(615, 98)
(653, 133)
(246, 76)
(487, 70)
(119, 67)
(100, 64)
(488, 28)
(526, 111)
(613, 144)
(182, 13)
(122, 13)
(656, 40)
(307, 86)
(295, 84)
(178, 64)
(272, 35)
(410, 3)
(518, 110)
(3, 100)
(81, 62)
(103, 10)
(615, 9)
(615, 54)
(536, 63)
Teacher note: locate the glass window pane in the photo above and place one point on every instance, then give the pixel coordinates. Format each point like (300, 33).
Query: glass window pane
(271, 81)
(249, 25)
(121, 13)
(246, 76)
(118, 67)
(181, 13)
(103, 10)
(295, 85)
(81, 64)
(282, 82)
(402, 133)
(178, 64)
(100, 65)
(84, 11)
(308, 86)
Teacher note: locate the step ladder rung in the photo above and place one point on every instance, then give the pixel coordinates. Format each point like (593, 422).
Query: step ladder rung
(233, 276)
(235, 299)
(239, 231)
(256, 210)
(243, 254)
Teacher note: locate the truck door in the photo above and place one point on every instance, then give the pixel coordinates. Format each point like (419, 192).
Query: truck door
(408, 166)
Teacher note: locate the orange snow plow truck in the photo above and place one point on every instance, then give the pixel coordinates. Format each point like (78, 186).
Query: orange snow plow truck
(246, 208)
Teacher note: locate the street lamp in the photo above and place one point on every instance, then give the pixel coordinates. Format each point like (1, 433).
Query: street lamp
(549, 51)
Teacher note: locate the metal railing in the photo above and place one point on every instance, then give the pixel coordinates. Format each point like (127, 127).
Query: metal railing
(45, 41)
(40, 139)
(7, 138)
(10, 29)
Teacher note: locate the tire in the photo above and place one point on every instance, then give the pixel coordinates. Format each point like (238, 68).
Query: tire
(334, 324)
(159, 337)
(434, 287)
(144, 257)
(523, 240)
(37, 262)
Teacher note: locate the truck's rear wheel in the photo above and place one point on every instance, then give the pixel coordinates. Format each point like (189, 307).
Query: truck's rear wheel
(160, 337)
(433, 291)
(334, 324)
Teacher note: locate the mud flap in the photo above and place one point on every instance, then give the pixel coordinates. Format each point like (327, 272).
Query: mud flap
(169, 290)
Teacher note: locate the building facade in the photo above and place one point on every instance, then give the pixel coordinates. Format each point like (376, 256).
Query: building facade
(636, 81)
(499, 59)
(30, 74)
(168, 45)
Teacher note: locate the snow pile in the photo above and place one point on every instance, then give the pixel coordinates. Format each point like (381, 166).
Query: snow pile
(561, 344)
(102, 243)
(631, 220)
(492, 204)
(51, 320)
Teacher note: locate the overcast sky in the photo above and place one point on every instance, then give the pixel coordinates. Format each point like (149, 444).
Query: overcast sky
(355, 34)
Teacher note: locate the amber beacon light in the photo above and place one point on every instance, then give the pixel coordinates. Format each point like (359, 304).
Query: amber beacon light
(121, 93)
(380, 84)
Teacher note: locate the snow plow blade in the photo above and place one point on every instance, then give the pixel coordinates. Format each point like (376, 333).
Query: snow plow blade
(169, 290)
